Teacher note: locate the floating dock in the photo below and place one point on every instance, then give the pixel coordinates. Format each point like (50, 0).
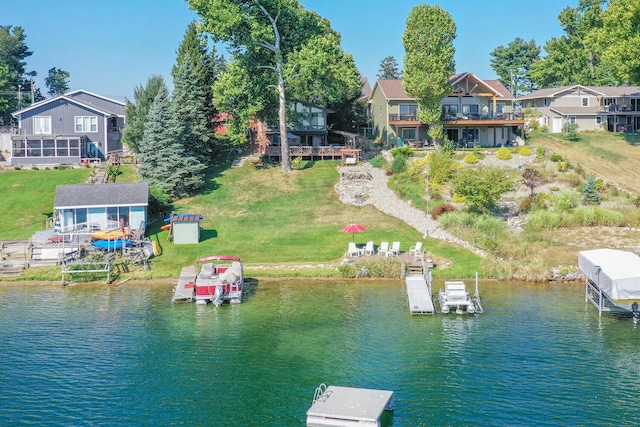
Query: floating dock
(348, 407)
(418, 281)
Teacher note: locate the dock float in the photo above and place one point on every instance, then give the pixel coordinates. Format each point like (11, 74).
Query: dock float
(419, 291)
(348, 407)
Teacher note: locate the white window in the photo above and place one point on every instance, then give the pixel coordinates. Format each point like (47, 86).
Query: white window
(585, 101)
(42, 125)
(86, 124)
(599, 120)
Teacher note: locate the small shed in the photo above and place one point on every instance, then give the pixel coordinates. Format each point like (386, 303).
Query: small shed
(185, 228)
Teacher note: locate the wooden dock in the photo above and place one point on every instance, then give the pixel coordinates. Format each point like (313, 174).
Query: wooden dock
(418, 281)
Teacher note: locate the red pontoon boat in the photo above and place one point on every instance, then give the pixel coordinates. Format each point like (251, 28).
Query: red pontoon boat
(216, 279)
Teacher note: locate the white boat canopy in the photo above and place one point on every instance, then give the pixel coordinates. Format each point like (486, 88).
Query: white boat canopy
(615, 272)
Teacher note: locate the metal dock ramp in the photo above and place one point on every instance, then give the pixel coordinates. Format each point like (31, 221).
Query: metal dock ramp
(418, 281)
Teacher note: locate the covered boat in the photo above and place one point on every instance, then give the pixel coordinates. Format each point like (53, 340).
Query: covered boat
(612, 279)
(455, 296)
(214, 279)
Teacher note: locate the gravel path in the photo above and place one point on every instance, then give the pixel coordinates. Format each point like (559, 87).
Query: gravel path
(365, 185)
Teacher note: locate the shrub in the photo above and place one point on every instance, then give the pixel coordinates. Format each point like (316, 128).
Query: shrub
(524, 151)
(571, 131)
(399, 164)
(554, 188)
(504, 154)
(442, 209)
(405, 151)
(546, 220)
(378, 161)
(458, 198)
(530, 204)
(556, 158)
(471, 159)
(563, 166)
(566, 200)
(600, 186)
(540, 153)
(298, 163)
(579, 169)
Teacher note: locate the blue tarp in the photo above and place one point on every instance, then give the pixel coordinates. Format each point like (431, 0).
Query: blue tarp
(111, 245)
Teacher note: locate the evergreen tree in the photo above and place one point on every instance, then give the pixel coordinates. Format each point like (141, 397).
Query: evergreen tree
(389, 69)
(137, 111)
(191, 105)
(590, 195)
(13, 51)
(164, 162)
(513, 64)
(194, 73)
(57, 81)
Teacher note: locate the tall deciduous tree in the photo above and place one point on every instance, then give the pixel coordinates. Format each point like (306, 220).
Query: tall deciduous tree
(513, 64)
(260, 35)
(428, 62)
(13, 51)
(619, 39)
(572, 59)
(164, 162)
(322, 73)
(137, 111)
(57, 81)
(389, 69)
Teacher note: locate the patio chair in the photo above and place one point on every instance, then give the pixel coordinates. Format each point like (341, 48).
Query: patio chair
(383, 249)
(416, 250)
(368, 248)
(353, 250)
(395, 249)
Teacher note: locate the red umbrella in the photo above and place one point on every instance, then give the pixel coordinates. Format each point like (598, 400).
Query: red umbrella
(353, 228)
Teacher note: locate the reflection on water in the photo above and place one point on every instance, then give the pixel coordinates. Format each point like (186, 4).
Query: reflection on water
(124, 355)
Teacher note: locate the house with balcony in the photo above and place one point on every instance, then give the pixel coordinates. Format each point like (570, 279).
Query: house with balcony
(67, 129)
(611, 108)
(475, 113)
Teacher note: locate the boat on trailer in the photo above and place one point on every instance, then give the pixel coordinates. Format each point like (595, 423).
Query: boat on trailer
(214, 279)
(455, 297)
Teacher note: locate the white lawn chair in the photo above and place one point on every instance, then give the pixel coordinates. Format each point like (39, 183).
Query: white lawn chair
(383, 249)
(353, 250)
(416, 250)
(395, 249)
(368, 248)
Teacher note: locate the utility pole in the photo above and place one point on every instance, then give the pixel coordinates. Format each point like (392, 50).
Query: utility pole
(33, 90)
(19, 96)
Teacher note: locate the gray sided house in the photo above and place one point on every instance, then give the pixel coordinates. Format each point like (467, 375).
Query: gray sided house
(67, 129)
(102, 206)
(611, 108)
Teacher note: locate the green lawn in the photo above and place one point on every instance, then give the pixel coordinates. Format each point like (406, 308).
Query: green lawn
(262, 215)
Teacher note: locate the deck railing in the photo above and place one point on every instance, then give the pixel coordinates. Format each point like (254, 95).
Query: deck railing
(304, 151)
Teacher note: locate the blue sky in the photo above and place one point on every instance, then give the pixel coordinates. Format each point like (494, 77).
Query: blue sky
(111, 47)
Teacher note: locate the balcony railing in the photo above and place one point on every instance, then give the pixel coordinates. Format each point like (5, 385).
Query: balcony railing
(482, 117)
(403, 118)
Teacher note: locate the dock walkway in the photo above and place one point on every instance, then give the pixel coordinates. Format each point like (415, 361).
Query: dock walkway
(419, 295)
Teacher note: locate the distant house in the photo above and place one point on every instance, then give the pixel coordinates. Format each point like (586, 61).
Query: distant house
(102, 206)
(67, 129)
(616, 109)
(476, 113)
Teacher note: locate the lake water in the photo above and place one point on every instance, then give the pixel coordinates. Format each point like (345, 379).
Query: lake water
(125, 355)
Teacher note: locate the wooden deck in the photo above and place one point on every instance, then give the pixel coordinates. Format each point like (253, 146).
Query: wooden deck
(418, 282)
(322, 152)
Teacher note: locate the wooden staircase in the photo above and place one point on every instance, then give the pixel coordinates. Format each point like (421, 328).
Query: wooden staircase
(14, 257)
